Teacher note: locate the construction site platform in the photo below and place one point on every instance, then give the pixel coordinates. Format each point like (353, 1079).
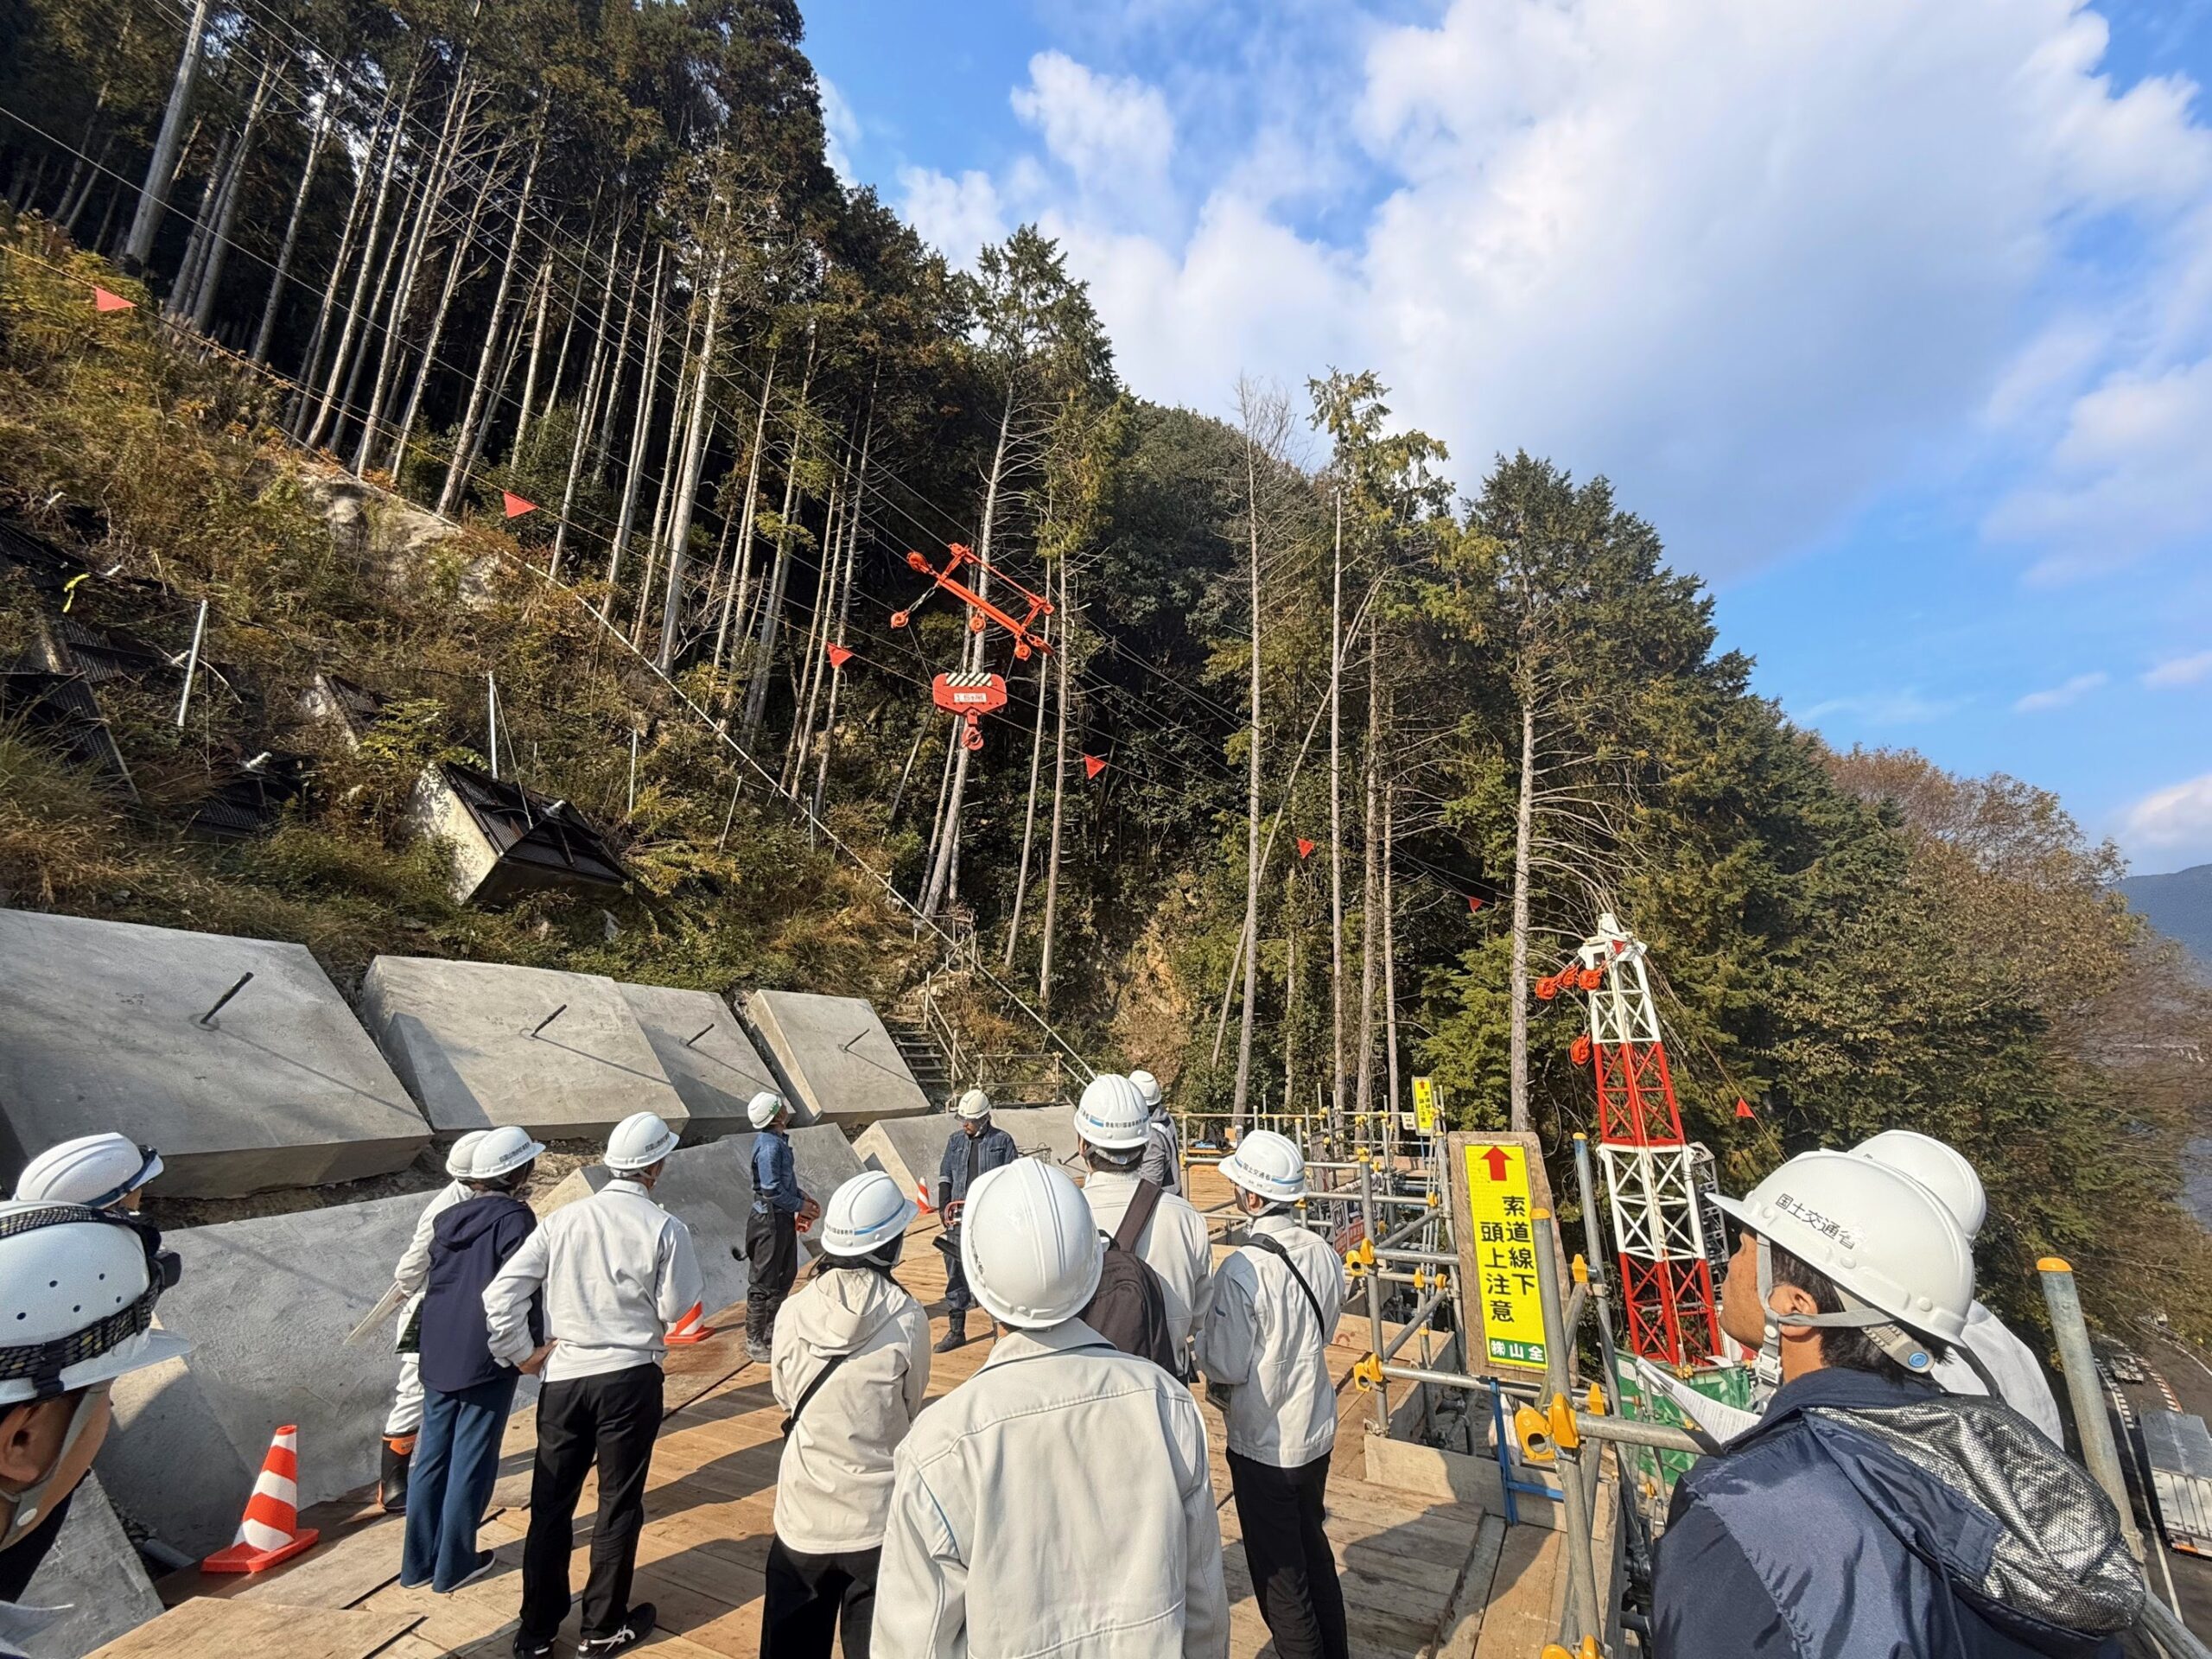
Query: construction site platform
(1423, 1578)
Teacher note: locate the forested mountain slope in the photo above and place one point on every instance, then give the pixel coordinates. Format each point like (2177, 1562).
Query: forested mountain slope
(1327, 760)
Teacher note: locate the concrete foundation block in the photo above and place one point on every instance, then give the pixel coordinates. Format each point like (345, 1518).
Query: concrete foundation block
(101, 1028)
(707, 1056)
(93, 1573)
(267, 1304)
(910, 1149)
(460, 1036)
(833, 1057)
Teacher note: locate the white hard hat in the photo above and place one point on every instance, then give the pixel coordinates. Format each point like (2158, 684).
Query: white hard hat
(761, 1110)
(1267, 1164)
(1938, 1168)
(76, 1295)
(972, 1105)
(1888, 1244)
(461, 1157)
(1148, 1086)
(864, 1214)
(1029, 1245)
(1111, 1112)
(503, 1151)
(93, 1170)
(640, 1141)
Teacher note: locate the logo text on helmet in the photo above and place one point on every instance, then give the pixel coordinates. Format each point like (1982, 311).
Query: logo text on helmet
(1797, 1209)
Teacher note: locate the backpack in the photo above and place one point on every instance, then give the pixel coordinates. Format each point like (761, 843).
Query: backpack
(1130, 1308)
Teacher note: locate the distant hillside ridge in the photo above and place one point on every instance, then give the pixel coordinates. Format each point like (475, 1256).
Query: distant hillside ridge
(2179, 904)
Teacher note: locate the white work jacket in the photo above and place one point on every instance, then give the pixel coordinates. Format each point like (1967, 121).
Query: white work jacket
(412, 1275)
(1174, 1245)
(834, 1484)
(617, 1271)
(2021, 1384)
(1260, 1342)
(1057, 1502)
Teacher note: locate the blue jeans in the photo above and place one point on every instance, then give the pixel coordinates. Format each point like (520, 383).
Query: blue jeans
(449, 1481)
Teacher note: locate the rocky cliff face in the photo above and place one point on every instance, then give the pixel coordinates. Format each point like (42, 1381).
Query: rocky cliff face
(394, 542)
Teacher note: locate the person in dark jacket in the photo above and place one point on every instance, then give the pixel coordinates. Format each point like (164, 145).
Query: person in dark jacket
(468, 1394)
(780, 1213)
(1814, 1534)
(976, 1146)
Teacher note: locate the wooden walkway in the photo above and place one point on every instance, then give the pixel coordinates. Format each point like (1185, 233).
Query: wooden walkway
(1418, 1573)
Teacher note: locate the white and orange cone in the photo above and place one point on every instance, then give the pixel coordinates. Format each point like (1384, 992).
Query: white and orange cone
(270, 1531)
(688, 1330)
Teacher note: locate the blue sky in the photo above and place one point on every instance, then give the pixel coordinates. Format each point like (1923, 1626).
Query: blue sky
(1894, 315)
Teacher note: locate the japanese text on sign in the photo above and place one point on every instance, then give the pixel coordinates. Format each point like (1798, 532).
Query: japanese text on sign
(1424, 1105)
(1505, 1255)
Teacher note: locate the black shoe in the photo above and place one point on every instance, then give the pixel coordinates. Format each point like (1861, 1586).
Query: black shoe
(636, 1627)
(480, 1570)
(955, 1332)
(526, 1649)
(392, 1479)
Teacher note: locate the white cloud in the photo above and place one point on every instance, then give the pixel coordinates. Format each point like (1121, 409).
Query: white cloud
(1909, 707)
(2058, 696)
(2179, 671)
(841, 125)
(957, 215)
(2179, 815)
(1757, 262)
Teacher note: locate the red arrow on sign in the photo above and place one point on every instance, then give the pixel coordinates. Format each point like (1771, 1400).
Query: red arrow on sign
(1092, 765)
(1496, 1158)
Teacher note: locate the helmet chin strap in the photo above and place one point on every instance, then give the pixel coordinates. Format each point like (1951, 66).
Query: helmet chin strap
(30, 1503)
(1892, 1338)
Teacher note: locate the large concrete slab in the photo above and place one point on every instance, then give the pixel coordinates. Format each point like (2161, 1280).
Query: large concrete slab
(460, 1034)
(834, 1056)
(267, 1304)
(909, 1149)
(707, 1056)
(101, 1028)
(709, 1190)
(94, 1574)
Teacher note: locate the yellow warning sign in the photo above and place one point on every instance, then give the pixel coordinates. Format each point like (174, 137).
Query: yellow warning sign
(1424, 1105)
(1505, 1253)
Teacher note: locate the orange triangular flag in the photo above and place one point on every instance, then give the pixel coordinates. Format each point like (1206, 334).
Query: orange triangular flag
(1305, 847)
(106, 300)
(517, 506)
(1092, 765)
(1473, 903)
(1743, 1106)
(839, 655)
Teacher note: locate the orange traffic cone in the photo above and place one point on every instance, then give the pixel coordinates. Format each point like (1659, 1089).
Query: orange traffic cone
(688, 1330)
(270, 1531)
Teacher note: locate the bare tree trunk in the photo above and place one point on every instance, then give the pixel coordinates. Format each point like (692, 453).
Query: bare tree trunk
(772, 598)
(679, 534)
(614, 376)
(678, 426)
(274, 304)
(732, 597)
(313, 434)
(1059, 790)
(806, 693)
(1390, 965)
(153, 194)
(921, 731)
(464, 437)
(311, 359)
(588, 408)
(93, 176)
(1517, 988)
(454, 269)
(944, 783)
(84, 169)
(1337, 825)
(1252, 786)
(1370, 900)
(1289, 992)
(179, 304)
(844, 613)
(536, 351)
(1028, 818)
(218, 249)
(640, 421)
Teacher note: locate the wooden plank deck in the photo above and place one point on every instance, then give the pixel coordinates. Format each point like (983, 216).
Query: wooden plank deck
(1416, 1571)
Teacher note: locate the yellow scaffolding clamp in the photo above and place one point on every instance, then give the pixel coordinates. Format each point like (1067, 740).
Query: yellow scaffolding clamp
(1541, 1435)
(1589, 1649)
(1580, 1269)
(1367, 1373)
(1360, 1258)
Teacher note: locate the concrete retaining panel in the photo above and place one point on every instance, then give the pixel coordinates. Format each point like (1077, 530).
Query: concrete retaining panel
(709, 1190)
(717, 1073)
(834, 1056)
(94, 1572)
(101, 1028)
(267, 1304)
(910, 1149)
(458, 1034)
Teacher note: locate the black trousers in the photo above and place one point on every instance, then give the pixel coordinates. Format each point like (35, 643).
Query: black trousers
(809, 1597)
(1294, 1572)
(610, 1420)
(771, 1252)
(957, 1297)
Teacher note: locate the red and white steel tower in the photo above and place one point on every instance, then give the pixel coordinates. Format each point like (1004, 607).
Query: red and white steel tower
(1666, 1279)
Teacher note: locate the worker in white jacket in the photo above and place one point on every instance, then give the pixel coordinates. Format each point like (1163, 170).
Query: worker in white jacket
(850, 1368)
(1058, 1502)
(405, 1421)
(2021, 1380)
(617, 1272)
(1264, 1350)
(1113, 1127)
